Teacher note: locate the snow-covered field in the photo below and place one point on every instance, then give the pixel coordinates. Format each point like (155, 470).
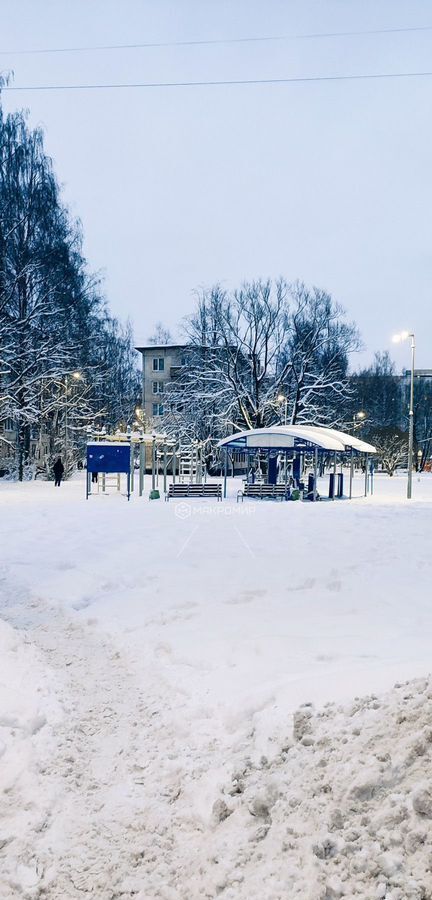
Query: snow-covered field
(156, 659)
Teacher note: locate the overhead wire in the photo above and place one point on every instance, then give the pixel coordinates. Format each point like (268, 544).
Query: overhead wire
(316, 35)
(295, 79)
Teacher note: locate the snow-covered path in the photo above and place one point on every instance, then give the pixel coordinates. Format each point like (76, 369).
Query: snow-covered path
(106, 774)
(157, 659)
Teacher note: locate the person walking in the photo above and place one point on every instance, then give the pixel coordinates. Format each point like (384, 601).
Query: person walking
(58, 469)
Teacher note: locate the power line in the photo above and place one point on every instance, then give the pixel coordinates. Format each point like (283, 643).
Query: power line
(215, 41)
(222, 83)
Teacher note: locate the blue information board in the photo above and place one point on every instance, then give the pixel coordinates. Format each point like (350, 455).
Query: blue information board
(104, 458)
(108, 458)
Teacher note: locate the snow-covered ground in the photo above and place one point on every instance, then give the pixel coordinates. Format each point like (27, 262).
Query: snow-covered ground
(152, 658)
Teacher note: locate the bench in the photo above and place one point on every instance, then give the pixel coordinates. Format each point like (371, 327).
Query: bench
(212, 489)
(261, 491)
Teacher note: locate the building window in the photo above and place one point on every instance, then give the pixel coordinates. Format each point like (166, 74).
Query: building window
(9, 424)
(158, 387)
(158, 364)
(158, 409)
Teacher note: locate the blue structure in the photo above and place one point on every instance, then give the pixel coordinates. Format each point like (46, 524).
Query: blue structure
(293, 442)
(107, 457)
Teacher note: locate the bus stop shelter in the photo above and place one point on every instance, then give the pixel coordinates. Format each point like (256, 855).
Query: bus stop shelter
(294, 444)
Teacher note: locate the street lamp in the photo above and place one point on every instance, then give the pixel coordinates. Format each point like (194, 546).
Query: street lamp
(282, 398)
(77, 376)
(360, 416)
(397, 339)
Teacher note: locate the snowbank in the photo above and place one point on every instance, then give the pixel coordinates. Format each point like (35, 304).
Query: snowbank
(150, 743)
(342, 809)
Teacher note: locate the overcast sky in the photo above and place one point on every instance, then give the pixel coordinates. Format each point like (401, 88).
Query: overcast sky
(181, 187)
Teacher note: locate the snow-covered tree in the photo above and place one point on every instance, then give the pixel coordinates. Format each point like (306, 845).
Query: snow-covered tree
(249, 348)
(53, 320)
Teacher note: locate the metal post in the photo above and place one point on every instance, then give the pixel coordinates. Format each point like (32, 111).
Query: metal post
(153, 464)
(411, 421)
(132, 465)
(225, 472)
(315, 473)
(198, 464)
(334, 473)
(366, 474)
(164, 468)
(141, 467)
(174, 465)
(351, 473)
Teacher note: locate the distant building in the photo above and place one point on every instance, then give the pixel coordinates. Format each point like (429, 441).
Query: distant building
(160, 365)
(424, 374)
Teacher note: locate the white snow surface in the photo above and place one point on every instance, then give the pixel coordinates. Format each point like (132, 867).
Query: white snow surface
(197, 699)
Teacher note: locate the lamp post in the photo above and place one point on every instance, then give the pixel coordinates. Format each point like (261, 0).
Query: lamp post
(77, 376)
(360, 416)
(282, 398)
(397, 340)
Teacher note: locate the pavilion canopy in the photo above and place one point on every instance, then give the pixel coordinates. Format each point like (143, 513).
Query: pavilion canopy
(296, 437)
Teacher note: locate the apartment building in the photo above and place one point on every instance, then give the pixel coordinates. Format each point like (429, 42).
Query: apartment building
(160, 365)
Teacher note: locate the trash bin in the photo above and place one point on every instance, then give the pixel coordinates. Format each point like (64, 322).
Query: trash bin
(340, 484)
(311, 484)
(295, 494)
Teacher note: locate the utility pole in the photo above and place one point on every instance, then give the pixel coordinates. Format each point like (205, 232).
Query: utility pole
(411, 421)
(396, 340)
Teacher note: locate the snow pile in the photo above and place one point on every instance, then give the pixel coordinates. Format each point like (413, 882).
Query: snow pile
(343, 809)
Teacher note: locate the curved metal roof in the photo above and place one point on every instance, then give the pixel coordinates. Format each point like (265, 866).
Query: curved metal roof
(296, 436)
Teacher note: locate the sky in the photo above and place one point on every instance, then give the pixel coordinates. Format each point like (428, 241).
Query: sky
(178, 188)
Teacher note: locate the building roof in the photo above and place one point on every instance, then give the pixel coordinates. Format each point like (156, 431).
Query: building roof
(296, 437)
(161, 347)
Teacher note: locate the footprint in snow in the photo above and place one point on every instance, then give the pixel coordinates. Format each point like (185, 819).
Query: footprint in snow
(246, 597)
(303, 586)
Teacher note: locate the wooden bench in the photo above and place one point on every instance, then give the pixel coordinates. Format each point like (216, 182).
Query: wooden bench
(211, 489)
(264, 491)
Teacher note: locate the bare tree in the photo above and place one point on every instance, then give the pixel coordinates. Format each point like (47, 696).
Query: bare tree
(392, 447)
(249, 347)
(161, 335)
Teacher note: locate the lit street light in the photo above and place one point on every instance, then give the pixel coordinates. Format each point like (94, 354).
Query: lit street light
(283, 399)
(77, 376)
(360, 416)
(397, 339)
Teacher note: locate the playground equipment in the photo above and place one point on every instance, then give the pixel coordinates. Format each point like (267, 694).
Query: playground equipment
(110, 456)
(294, 444)
(192, 468)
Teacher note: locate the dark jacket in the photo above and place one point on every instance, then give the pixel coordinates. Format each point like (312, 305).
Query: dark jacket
(58, 468)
